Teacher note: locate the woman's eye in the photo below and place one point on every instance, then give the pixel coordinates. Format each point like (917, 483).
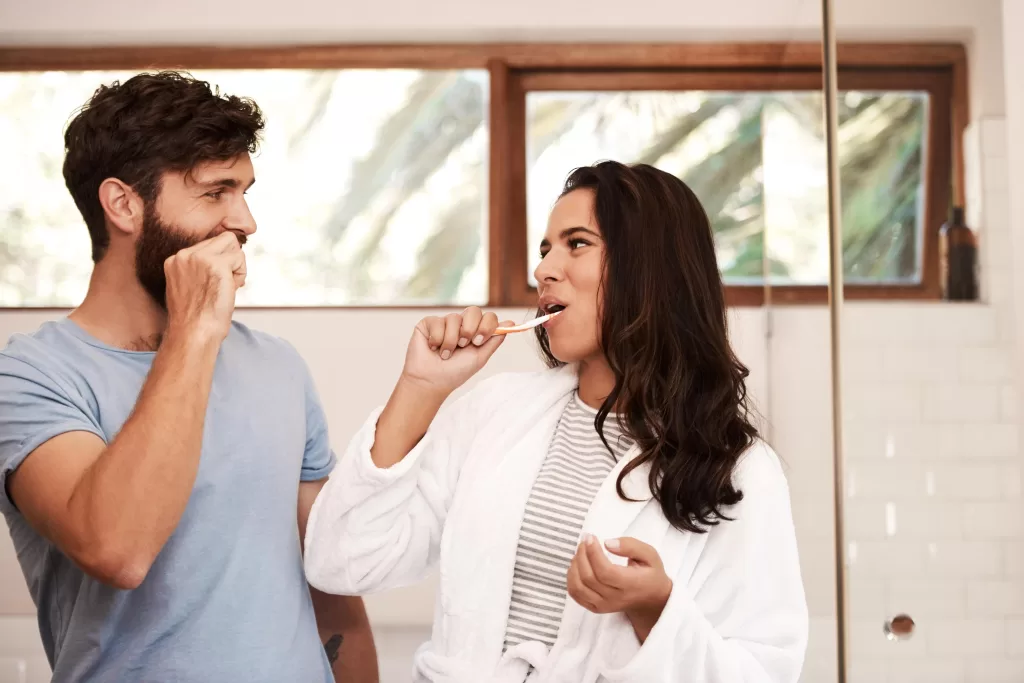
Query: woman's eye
(576, 243)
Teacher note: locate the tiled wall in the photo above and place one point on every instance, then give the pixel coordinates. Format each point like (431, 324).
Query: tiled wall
(934, 516)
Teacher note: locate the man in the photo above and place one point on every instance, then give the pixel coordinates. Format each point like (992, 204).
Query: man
(159, 460)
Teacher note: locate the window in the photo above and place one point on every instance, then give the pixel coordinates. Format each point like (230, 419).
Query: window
(422, 176)
(754, 153)
(379, 200)
(756, 160)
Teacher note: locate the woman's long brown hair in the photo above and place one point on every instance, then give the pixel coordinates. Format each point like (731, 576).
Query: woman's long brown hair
(679, 389)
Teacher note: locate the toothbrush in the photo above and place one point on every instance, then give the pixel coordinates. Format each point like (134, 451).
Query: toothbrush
(527, 325)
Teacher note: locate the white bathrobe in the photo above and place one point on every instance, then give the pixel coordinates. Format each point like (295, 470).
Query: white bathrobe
(737, 612)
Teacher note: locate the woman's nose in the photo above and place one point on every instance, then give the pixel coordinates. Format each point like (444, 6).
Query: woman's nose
(549, 269)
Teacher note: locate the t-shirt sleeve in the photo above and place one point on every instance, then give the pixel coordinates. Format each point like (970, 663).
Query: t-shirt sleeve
(34, 408)
(319, 458)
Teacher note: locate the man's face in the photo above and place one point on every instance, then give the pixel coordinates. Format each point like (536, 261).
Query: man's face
(190, 208)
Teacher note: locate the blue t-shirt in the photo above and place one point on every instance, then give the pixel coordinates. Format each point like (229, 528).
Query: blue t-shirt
(226, 599)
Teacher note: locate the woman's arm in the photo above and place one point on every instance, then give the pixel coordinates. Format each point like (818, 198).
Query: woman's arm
(404, 421)
(372, 528)
(377, 523)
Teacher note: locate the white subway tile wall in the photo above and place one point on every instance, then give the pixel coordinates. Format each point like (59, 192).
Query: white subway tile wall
(923, 598)
(965, 559)
(935, 513)
(931, 670)
(1015, 637)
(971, 637)
(996, 670)
(1014, 554)
(987, 598)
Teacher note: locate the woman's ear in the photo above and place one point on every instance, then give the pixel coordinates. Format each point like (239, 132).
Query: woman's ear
(122, 206)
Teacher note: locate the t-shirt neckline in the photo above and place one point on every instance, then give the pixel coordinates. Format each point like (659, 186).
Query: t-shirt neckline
(79, 333)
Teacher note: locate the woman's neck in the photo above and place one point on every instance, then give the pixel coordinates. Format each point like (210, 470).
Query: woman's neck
(596, 381)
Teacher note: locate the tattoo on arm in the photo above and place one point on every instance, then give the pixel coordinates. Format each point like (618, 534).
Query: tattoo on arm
(332, 646)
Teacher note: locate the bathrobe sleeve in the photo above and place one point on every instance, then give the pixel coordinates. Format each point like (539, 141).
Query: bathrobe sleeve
(373, 529)
(742, 616)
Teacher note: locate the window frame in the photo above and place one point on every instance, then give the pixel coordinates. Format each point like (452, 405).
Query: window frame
(517, 68)
(937, 162)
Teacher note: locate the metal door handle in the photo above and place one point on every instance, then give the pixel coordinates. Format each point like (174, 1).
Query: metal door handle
(900, 627)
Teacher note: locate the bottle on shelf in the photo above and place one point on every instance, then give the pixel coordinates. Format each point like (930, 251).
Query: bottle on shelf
(958, 259)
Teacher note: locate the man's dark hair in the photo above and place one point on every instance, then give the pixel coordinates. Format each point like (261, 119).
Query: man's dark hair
(151, 124)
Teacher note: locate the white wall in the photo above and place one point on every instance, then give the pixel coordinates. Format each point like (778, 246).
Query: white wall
(50, 22)
(932, 432)
(1013, 11)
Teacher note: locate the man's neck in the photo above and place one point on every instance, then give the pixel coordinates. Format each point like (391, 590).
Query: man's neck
(119, 312)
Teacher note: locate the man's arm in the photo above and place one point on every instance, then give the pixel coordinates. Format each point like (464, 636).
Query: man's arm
(341, 620)
(111, 508)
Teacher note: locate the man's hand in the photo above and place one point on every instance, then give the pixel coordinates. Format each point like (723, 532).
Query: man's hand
(201, 285)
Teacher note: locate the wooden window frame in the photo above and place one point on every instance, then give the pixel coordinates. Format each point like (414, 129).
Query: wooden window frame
(937, 162)
(516, 68)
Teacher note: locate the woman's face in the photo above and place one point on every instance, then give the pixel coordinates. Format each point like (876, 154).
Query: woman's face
(570, 275)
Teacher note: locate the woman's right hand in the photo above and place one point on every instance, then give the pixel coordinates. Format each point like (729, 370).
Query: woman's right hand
(445, 352)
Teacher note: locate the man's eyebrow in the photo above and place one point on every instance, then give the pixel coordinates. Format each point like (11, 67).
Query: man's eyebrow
(230, 183)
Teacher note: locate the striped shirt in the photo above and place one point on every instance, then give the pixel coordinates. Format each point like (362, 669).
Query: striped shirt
(576, 465)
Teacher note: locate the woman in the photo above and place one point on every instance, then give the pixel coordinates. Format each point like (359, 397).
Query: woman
(614, 518)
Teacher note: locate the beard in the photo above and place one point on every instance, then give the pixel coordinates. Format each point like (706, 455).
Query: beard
(157, 242)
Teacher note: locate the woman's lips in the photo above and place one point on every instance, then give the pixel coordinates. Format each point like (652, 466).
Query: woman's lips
(554, 321)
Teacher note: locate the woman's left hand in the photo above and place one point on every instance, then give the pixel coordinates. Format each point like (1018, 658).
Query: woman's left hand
(640, 590)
